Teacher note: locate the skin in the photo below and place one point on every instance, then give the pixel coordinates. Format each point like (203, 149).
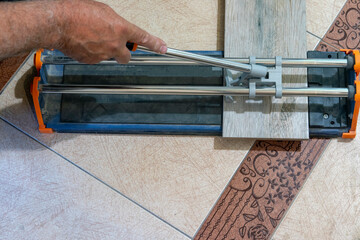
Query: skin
(85, 30)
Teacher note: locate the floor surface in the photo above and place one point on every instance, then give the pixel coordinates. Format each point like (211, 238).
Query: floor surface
(96, 186)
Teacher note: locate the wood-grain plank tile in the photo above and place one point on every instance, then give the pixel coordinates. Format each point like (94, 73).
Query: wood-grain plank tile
(44, 197)
(267, 29)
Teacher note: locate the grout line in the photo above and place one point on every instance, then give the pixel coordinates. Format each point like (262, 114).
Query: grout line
(321, 40)
(328, 29)
(96, 178)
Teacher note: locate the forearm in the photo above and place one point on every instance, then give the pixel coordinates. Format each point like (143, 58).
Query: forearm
(28, 25)
(85, 30)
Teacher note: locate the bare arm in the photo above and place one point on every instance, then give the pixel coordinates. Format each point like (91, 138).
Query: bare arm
(86, 30)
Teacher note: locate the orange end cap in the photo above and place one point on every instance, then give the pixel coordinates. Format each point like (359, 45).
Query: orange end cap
(37, 59)
(135, 47)
(352, 131)
(45, 130)
(349, 135)
(35, 96)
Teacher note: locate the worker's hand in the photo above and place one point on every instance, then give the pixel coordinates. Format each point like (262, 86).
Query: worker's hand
(92, 32)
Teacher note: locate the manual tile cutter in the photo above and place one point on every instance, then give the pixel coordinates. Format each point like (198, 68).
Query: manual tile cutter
(184, 95)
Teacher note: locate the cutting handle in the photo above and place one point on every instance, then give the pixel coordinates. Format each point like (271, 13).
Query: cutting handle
(254, 70)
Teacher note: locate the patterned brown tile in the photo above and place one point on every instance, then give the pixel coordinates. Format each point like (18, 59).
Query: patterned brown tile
(8, 67)
(345, 30)
(262, 189)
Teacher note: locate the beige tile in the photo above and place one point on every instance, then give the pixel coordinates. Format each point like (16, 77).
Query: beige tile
(312, 42)
(184, 24)
(44, 197)
(177, 177)
(328, 206)
(320, 15)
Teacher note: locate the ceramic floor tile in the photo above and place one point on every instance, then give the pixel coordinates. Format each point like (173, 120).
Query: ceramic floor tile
(319, 16)
(179, 178)
(262, 189)
(312, 41)
(328, 206)
(184, 24)
(42, 196)
(344, 32)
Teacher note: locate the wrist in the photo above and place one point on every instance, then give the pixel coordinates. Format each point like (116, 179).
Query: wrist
(57, 22)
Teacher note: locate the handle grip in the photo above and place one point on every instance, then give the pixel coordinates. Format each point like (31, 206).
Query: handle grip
(131, 46)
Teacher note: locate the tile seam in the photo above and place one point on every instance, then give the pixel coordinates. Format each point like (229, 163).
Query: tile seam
(96, 178)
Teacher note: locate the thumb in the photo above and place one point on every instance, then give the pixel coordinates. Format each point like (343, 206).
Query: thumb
(143, 38)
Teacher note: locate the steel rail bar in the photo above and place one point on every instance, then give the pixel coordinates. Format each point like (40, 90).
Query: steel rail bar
(269, 62)
(188, 90)
(253, 69)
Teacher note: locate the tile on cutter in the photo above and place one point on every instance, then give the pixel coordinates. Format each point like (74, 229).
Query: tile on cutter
(328, 206)
(177, 177)
(44, 197)
(319, 17)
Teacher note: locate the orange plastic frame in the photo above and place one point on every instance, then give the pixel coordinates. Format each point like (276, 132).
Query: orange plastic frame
(352, 131)
(351, 134)
(35, 96)
(134, 48)
(37, 60)
(35, 93)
